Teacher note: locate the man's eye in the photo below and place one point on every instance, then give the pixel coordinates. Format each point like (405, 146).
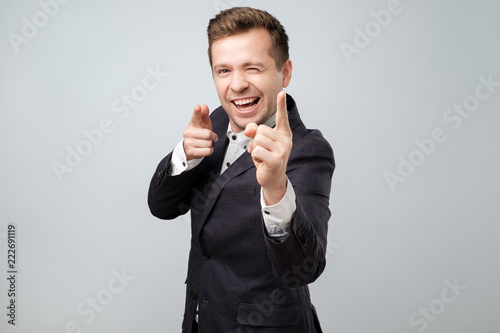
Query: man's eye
(224, 71)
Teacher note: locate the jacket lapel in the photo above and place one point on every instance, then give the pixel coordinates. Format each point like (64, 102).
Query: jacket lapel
(242, 164)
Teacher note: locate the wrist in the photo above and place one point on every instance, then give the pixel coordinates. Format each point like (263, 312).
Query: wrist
(275, 193)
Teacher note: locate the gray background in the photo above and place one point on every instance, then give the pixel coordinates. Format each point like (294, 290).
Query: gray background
(393, 252)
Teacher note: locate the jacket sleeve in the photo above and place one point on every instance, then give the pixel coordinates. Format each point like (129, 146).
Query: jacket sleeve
(169, 196)
(299, 259)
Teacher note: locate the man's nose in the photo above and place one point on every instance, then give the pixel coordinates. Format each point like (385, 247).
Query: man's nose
(239, 83)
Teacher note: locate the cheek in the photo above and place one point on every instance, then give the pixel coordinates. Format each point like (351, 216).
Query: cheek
(221, 88)
(268, 85)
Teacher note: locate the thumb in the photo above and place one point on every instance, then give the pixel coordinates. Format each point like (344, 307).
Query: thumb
(250, 132)
(200, 117)
(205, 117)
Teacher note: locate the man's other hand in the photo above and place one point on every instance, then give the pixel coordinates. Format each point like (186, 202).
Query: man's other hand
(198, 136)
(270, 149)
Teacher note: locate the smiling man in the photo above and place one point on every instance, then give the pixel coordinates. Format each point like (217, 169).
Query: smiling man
(257, 183)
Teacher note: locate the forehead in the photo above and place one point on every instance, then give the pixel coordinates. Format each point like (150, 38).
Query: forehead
(245, 47)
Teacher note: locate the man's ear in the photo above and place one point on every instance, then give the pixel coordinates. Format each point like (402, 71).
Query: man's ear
(286, 73)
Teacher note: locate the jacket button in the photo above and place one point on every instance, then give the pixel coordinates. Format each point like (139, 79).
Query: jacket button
(207, 255)
(194, 294)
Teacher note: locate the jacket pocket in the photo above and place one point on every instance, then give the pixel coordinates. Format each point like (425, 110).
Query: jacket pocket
(258, 315)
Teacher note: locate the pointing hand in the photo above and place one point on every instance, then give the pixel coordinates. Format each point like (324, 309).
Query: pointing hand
(270, 149)
(198, 136)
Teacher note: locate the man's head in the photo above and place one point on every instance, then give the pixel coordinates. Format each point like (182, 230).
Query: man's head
(248, 52)
(242, 19)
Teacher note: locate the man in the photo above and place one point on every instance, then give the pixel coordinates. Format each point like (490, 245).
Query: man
(257, 183)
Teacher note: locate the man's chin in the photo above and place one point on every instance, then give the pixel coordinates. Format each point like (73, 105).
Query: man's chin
(239, 123)
(239, 126)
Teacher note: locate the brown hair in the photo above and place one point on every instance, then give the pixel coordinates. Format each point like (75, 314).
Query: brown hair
(236, 20)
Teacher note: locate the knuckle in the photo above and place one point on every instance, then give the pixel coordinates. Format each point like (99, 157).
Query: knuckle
(256, 150)
(208, 144)
(188, 132)
(205, 134)
(261, 129)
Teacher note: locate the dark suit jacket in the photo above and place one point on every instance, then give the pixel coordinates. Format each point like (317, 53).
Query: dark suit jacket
(243, 280)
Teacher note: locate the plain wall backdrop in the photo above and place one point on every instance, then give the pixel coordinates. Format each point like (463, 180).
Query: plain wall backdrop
(94, 93)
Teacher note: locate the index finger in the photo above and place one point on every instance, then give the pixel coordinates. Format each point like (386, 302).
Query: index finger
(281, 112)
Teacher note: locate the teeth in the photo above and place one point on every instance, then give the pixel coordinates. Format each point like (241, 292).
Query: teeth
(245, 101)
(248, 108)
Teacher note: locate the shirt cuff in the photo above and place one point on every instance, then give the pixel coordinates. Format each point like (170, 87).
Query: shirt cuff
(278, 217)
(179, 162)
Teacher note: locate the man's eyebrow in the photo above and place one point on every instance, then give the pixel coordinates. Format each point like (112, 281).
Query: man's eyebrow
(254, 64)
(246, 64)
(220, 66)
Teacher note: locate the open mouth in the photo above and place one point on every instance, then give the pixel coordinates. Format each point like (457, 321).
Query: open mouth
(246, 104)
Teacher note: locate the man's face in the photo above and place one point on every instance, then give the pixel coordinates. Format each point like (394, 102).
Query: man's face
(246, 77)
